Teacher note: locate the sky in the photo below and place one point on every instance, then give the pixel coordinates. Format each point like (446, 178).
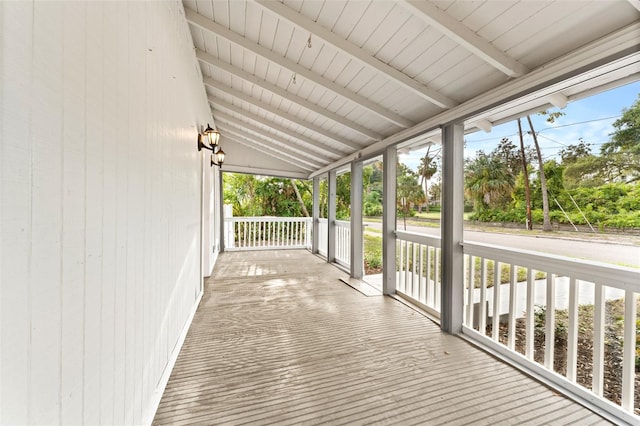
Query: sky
(590, 119)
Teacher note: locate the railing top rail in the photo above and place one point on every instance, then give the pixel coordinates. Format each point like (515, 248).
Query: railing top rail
(266, 219)
(590, 271)
(416, 237)
(343, 223)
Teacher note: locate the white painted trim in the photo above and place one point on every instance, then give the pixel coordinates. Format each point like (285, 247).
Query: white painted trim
(466, 38)
(208, 25)
(276, 90)
(306, 24)
(166, 374)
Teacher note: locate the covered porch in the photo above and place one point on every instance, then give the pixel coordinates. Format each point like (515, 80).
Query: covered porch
(279, 338)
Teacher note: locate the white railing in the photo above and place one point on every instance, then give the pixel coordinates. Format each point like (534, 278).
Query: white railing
(343, 242)
(418, 269)
(572, 321)
(264, 233)
(323, 233)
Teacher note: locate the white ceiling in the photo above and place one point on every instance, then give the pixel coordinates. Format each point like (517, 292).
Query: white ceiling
(300, 86)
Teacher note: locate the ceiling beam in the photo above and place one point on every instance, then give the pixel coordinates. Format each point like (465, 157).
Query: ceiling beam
(468, 39)
(613, 51)
(274, 153)
(265, 172)
(208, 25)
(231, 129)
(296, 153)
(265, 85)
(306, 24)
(279, 153)
(275, 111)
(310, 143)
(322, 153)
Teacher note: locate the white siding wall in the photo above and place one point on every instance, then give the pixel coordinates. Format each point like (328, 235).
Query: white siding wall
(99, 207)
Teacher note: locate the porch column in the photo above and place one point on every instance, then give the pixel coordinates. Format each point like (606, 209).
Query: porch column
(452, 218)
(331, 217)
(315, 215)
(221, 212)
(356, 220)
(390, 160)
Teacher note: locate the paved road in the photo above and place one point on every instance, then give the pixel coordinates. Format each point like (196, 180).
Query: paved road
(608, 251)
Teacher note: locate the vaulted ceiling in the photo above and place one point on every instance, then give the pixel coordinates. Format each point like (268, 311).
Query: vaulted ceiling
(297, 87)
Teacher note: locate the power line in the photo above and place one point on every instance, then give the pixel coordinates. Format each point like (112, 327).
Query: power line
(547, 128)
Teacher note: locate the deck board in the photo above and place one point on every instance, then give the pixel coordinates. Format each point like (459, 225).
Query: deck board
(279, 339)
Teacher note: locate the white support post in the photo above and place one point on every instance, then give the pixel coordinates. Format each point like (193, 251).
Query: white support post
(331, 218)
(356, 264)
(316, 215)
(390, 160)
(221, 205)
(452, 305)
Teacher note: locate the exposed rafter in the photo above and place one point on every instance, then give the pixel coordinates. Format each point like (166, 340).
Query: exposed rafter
(271, 152)
(465, 37)
(206, 24)
(234, 133)
(304, 23)
(275, 111)
(265, 85)
(314, 151)
(295, 151)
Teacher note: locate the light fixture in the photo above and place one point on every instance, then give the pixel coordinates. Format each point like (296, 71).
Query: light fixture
(212, 136)
(219, 157)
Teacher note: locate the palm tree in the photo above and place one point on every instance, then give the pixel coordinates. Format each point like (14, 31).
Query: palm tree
(427, 168)
(488, 181)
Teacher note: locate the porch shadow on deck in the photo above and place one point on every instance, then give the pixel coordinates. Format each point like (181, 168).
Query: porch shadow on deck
(279, 339)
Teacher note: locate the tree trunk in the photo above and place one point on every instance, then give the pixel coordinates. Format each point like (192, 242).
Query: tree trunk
(299, 197)
(546, 225)
(527, 190)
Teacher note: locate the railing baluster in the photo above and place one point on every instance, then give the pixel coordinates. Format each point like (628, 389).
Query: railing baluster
(406, 269)
(530, 330)
(470, 292)
(420, 280)
(598, 340)
(429, 292)
(572, 332)
(483, 297)
(513, 298)
(549, 323)
(436, 279)
(495, 324)
(629, 351)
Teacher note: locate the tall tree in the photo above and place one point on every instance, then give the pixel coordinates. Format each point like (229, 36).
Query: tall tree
(488, 181)
(427, 168)
(299, 197)
(546, 221)
(525, 175)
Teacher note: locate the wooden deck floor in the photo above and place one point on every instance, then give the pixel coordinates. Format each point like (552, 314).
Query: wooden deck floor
(278, 339)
